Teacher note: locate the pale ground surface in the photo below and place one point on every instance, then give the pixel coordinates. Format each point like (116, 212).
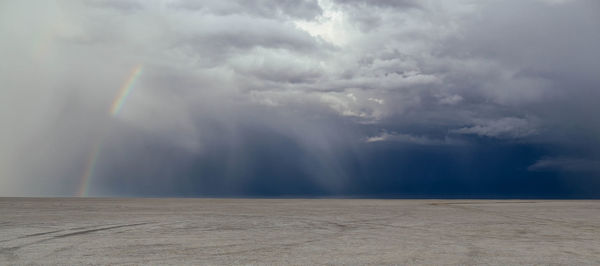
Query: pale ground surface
(290, 231)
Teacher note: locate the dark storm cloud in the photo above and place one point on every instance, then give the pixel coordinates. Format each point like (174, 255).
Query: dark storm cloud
(303, 98)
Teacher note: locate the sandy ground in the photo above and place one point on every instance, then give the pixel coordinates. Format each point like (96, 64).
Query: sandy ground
(297, 231)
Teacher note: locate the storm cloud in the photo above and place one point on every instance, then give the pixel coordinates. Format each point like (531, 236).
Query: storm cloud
(268, 98)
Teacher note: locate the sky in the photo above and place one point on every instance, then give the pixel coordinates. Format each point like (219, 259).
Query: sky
(281, 98)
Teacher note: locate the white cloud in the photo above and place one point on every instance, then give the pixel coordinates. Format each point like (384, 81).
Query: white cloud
(412, 139)
(566, 164)
(331, 26)
(450, 99)
(507, 127)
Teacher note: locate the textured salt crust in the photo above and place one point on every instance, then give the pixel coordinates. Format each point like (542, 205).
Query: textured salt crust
(297, 231)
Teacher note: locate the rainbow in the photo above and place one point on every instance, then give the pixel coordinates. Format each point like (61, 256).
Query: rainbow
(115, 108)
(89, 169)
(125, 90)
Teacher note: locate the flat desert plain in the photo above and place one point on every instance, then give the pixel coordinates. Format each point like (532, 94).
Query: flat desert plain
(76, 231)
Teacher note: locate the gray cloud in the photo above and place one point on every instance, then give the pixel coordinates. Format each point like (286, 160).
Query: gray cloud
(380, 3)
(123, 5)
(304, 9)
(319, 76)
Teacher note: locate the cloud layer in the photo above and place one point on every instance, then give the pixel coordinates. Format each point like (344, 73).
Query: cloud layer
(299, 97)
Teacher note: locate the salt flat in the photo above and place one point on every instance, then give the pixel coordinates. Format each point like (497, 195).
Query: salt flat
(297, 231)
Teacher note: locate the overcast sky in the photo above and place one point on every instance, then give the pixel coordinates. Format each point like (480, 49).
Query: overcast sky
(430, 98)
